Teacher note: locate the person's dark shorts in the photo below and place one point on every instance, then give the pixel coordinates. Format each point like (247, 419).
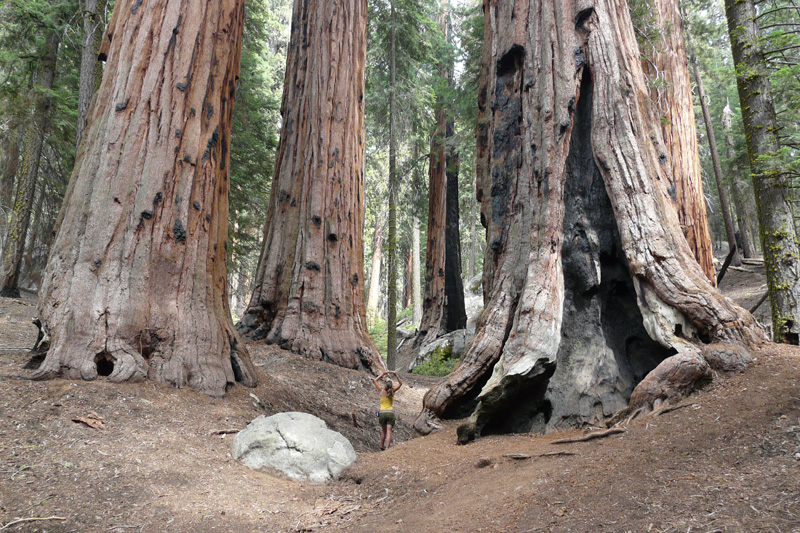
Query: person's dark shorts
(386, 418)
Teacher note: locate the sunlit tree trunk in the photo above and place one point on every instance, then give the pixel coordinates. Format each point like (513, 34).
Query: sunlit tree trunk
(135, 285)
(309, 285)
(416, 271)
(672, 97)
(589, 281)
(28, 171)
(375, 274)
(779, 240)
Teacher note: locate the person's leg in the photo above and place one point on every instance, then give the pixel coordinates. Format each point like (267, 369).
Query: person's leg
(388, 434)
(383, 437)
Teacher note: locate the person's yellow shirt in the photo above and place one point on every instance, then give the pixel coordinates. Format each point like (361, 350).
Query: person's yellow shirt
(386, 403)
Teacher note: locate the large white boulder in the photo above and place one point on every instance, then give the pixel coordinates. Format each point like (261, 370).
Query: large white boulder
(298, 444)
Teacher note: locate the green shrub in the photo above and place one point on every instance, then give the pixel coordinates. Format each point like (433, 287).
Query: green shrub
(380, 334)
(439, 364)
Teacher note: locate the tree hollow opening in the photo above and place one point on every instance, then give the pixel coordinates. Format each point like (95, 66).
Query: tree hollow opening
(104, 363)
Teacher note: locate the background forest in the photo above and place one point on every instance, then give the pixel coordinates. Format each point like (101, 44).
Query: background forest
(44, 82)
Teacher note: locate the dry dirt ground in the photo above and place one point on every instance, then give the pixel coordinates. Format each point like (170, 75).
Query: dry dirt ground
(728, 460)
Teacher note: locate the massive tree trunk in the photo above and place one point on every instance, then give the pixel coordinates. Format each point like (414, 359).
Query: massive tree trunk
(742, 191)
(779, 239)
(375, 274)
(673, 101)
(309, 286)
(443, 302)
(91, 69)
(32, 144)
(589, 282)
(730, 233)
(391, 248)
(135, 285)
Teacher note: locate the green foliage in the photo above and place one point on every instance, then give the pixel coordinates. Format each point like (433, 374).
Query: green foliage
(439, 364)
(379, 334)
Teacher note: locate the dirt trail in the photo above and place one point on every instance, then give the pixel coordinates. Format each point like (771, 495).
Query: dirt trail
(728, 461)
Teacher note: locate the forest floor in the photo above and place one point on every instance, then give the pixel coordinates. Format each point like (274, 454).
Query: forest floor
(729, 460)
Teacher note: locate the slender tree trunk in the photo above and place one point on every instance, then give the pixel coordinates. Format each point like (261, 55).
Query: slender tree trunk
(391, 278)
(309, 286)
(89, 80)
(672, 99)
(742, 191)
(416, 271)
(779, 240)
(407, 269)
(135, 285)
(375, 275)
(589, 280)
(32, 143)
(730, 233)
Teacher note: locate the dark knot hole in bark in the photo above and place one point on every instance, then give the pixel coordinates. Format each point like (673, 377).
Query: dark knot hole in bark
(104, 362)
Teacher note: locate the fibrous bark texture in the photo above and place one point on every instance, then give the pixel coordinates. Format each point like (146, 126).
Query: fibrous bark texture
(589, 282)
(672, 97)
(135, 286)
(93, 21)
(309, 286)
(779, 240)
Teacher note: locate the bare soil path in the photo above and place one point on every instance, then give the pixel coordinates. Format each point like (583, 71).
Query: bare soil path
(728, 461)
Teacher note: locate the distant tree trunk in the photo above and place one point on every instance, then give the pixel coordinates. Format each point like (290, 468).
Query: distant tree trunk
(20, 215)
(89, 80)
(309, 286)
(672, 100)
(779, 240)
(416, 271)
(391, 278)
(443, 303)
(10, 165)
(589, 281)
(135, 285)
(375, 275)
(730, 233)
(407, 269)
(742, 191)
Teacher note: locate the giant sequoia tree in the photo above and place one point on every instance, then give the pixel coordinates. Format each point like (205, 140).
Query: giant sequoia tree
(309, 286)
(589, 282)
(135, 282)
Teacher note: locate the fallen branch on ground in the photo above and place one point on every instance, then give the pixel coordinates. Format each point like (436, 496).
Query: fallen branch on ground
(224, 431)
(552, 454)
(669, 409)
(21, 520)
(590, 436)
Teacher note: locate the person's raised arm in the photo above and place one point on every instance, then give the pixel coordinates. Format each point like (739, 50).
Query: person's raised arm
(399, 382)
(377, 380)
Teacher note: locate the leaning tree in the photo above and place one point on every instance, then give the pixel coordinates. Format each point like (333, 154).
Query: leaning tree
(135, 285)
(309, 287)
(589, 284)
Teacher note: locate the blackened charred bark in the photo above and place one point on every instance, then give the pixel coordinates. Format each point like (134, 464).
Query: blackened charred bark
(580, 304)
(455, 312)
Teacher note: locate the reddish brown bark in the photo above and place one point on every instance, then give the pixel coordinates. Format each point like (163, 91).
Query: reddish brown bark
(672, 102)
(135, 286)
(309, 287)
(553, 70)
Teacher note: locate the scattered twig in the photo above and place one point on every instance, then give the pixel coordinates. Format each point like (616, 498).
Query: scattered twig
(760, 301)
(669, 409)
(590, 436)
(355, 422)
(21, 520)
(112, 528)
(224, 431)
(517, 456)
(552, 454)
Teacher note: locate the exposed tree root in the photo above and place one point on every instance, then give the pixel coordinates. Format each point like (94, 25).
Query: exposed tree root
(590, 436)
